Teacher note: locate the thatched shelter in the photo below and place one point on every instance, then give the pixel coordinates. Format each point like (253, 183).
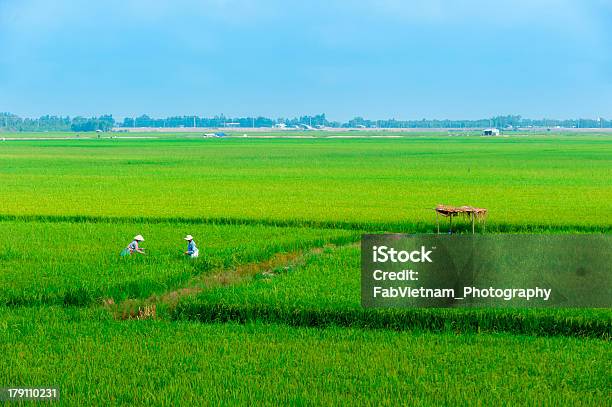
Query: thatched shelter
(470, 212)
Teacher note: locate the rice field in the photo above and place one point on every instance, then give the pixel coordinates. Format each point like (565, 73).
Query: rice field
(67, 263)
(325, 291)
(283, 215)
(96, 360)
(526, 182)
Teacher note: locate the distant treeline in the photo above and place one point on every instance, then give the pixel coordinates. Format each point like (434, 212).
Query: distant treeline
(11, 122)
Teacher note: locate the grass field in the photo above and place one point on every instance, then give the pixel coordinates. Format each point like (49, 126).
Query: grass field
(96, 360)
(283, 214)
(79, 263)
(552, 182)
(325, 291)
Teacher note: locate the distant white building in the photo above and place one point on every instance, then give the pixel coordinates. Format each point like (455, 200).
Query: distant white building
(490, 132)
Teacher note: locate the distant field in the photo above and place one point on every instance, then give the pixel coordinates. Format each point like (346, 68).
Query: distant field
(525, 182)
(190, 132)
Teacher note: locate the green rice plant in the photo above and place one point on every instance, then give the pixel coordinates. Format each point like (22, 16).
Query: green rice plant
(96, 360)
(531, 183)
(68, 207)
(79, 263)
(326, 291)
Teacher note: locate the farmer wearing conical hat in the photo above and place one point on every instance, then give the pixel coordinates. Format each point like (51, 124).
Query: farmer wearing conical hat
(134, 247)
(192, 249)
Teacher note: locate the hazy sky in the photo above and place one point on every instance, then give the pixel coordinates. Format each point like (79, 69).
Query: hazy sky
(280, 58)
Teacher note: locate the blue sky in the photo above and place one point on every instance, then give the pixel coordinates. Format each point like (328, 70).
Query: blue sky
(377, 59)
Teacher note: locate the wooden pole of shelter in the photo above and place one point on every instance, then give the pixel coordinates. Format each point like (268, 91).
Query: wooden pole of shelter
(473, 216)
(438, 221)
(450, 223)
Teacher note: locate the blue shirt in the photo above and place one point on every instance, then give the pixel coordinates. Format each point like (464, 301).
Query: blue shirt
(191, 247)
